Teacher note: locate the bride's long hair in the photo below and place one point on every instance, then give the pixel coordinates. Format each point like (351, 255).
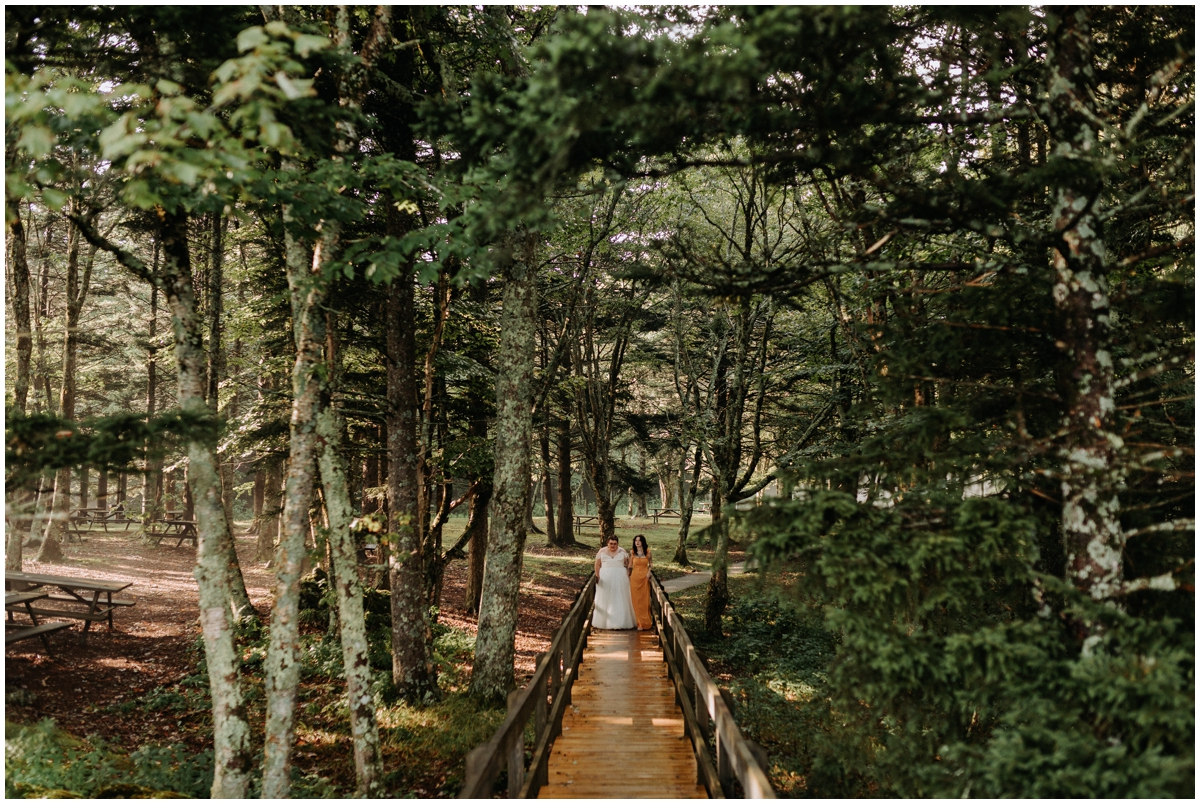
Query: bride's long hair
(645, 547)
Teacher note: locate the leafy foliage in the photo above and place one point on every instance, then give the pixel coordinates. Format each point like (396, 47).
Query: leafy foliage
(41, 442)
(42, 761)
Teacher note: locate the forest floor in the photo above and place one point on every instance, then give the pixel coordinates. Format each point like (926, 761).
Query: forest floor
(155, 643)
(131, 686)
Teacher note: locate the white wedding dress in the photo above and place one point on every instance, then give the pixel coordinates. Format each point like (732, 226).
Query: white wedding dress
(614, 604)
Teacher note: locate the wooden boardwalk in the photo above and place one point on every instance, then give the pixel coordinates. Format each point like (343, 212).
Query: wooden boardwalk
(622, 735)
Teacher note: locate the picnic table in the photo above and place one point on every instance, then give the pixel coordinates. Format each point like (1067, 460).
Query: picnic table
(14, 631)
(586, 521)
(664, 512)
(81, 520)
(182, 530)
(99, 606)
(73, 530)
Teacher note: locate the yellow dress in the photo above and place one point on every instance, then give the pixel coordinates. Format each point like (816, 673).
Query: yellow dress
(639, 587)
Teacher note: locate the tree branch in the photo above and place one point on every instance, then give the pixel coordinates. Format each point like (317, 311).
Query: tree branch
(127, 259)
(1163, 527)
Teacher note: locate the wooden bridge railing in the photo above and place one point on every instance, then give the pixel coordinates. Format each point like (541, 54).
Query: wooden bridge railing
(544, 699)
(706, 714)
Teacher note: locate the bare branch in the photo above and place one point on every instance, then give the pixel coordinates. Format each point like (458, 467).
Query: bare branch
(127, 259)
(1174, 525)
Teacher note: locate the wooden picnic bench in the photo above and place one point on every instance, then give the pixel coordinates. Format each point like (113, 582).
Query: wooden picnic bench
(182, 530)
(83, 520)
(73, 530)
(586, 522)
(99, 606)
(111, 516)
(16, 632)
(672, 513)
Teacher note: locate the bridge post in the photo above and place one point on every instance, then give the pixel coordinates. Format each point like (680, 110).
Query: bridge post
(540, 709)
(568, 656)
(516, 753)
(725, 772)
(701, 705)
(477, 758)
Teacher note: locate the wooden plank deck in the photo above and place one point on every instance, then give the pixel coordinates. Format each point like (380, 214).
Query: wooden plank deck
(622, 735)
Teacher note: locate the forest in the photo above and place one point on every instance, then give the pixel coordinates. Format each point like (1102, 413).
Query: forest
(398, 313)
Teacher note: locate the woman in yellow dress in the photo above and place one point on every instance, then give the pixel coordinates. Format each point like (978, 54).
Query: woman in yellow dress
(639, 582)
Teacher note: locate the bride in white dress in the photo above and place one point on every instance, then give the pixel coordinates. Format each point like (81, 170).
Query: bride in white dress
(614, 604)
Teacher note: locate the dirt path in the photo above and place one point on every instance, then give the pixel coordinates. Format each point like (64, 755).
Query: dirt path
(697, 578)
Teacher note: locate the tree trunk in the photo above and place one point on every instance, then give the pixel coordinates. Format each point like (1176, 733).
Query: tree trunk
(687, 503)
(19, 277)
(260, 484)
(718, 582)
(268, 531)
(41, 315)
(492, 675)
(24, 502)
(154, 465)
(477, 524)
(412, 668)
(552, 537)
(370, 481)
(216, 367)
(283, 660)
(231, 732)
(1091, 527)
(189, 502)
(344, 564)
(531, 501)
(77, 288)
(102, 488)
(566, 515)
(606, 513)
(440, 501)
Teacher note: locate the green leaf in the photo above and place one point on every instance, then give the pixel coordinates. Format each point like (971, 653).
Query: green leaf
(139, 194)
(274, 134)
(184, 172)
(251, 38)
(117, 140)
(307, 43)
(37, 141)
(55, 199)
(293, 88)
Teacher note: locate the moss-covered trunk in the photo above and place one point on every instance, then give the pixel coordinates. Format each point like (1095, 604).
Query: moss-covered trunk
(355, 651)
(492, 675)
(412, 668)
(1091, 476)
(231, 731)
(283, 660)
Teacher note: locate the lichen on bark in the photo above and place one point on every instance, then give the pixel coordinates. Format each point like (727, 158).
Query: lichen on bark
(492, 675)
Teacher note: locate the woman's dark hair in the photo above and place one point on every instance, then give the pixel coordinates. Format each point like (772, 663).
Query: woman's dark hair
(645, 545)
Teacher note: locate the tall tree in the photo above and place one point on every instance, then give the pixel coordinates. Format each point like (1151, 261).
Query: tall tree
(76, 293)
(492, 674)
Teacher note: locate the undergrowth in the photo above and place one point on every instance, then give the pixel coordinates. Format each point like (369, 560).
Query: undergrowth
(423, 746)
(773, 661)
